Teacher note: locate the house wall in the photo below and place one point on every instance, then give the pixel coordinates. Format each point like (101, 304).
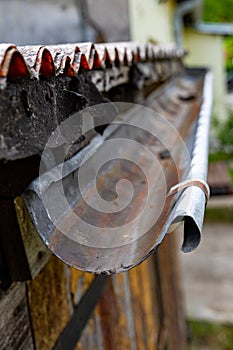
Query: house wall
(207, 50)
(53, 22)
(151, 19)
(40, 22)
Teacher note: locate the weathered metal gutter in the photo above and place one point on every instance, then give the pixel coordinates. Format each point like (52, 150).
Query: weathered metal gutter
(192, 202)
(186, 7)
(115, 177)
(176, 187)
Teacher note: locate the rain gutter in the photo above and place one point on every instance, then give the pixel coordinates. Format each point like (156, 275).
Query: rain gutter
(191, 204)
(214, 28)
(182, 10)
(186, 198)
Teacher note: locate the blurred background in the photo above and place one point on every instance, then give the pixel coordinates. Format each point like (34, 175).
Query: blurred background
(205, 29)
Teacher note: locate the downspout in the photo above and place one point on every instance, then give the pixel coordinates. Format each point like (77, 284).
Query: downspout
(194, 7)
(183, 9)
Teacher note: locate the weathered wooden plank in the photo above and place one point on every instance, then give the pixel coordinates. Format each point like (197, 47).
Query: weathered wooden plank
(126, 331)
(49, 303)
(79, 283)
(15, 332)
(36, 251)
(103, 327)
(136, 284)
(109, 317)
(126, 316)
(150, 299)
(145, 304)
(141, 309)
(174, 329)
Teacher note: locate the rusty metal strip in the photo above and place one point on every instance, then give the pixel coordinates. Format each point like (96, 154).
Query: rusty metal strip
(194, 182)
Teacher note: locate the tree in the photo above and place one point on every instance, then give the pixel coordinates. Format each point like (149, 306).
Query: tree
(218, 11)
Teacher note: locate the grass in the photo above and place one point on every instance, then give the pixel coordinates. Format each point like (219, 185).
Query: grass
(219, 215)
(210, 336)
(221, 156)
(224, 140)
(231, 174)
(214, 157)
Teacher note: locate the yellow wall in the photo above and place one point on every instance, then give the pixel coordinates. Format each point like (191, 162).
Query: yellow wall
(150, 19)
(207, 50)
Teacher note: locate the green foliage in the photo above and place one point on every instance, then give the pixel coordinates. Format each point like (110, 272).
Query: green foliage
(225, 140)
(231, 174)
(226, 135)
(229, 52)
(218, 11)
(221, 11)
(207, 335)
(216, 156)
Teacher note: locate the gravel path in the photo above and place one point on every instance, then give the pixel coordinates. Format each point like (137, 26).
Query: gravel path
(208, 275)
